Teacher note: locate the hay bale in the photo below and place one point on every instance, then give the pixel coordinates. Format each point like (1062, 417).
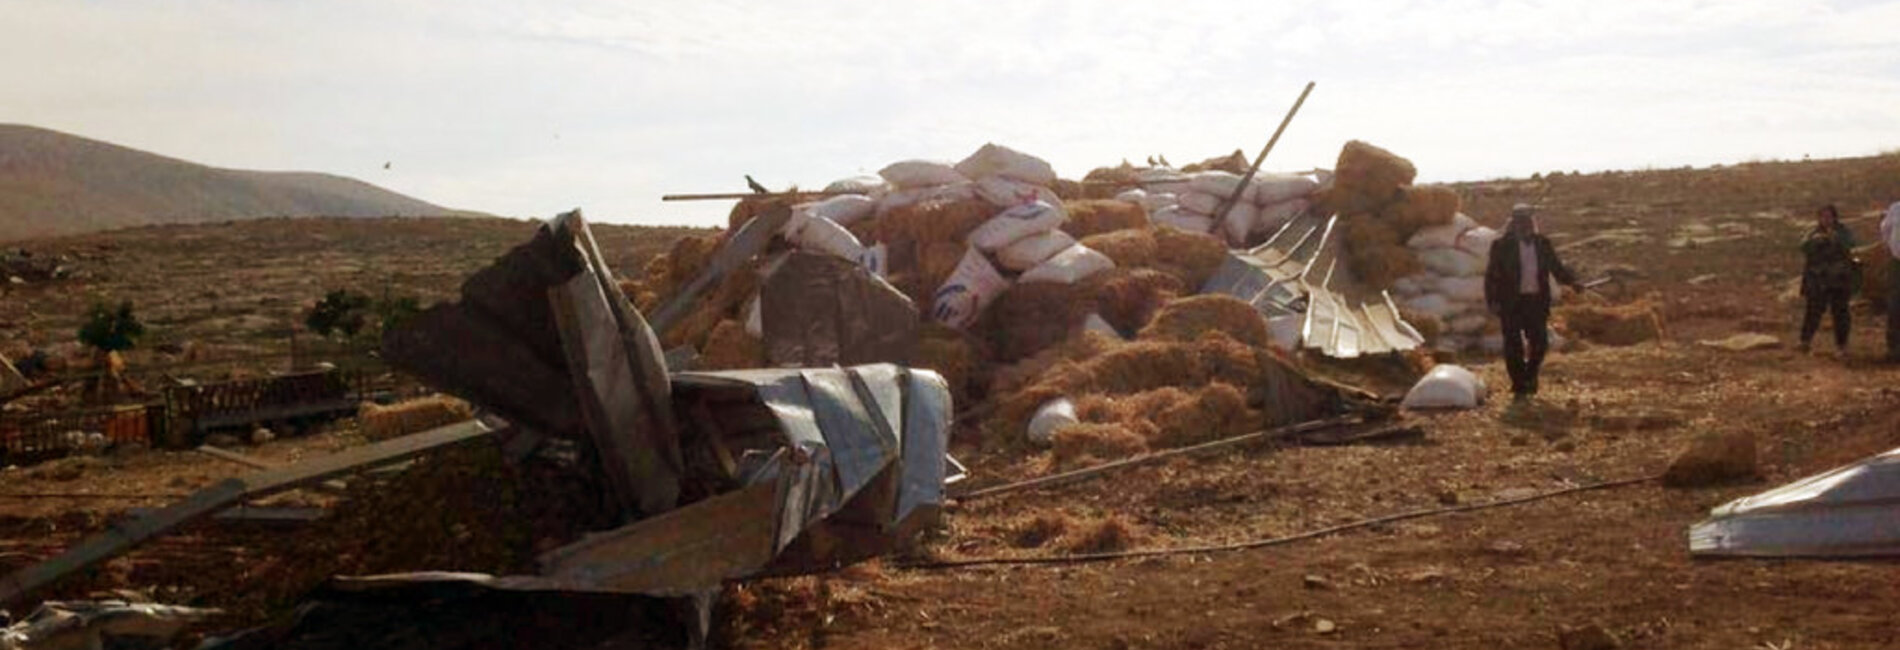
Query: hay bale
(750, 207)
(1283, 392)
(1108, 535)
(1128, 298)
(955, 355)
(729, 347)
(667, 272)
(1188, 319)
(1086, 444)
(1234, 163)
(1375, 251)
(1032, 316)
(1099, 216)
(929, 222)
(1135, 248)
(1174, 416)
(1714, 458)
(1422, 207)
(1626, 324)
(1069, 190)
(1428, 326)
(1366, 178)
(726, 301)
(1014, 377)
(1041, 529)
(1106, 182)
(378, 422)
(1193, 257)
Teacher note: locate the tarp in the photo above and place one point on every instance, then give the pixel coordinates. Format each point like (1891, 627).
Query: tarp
(1849, 511)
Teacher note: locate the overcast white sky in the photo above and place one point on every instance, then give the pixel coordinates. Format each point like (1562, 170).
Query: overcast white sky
(527, 109)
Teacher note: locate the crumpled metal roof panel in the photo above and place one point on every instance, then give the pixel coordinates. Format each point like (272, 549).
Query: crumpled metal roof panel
(1299, 271)
(1850, 511)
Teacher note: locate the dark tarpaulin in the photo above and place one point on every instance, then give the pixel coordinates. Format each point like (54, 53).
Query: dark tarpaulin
(818, 310)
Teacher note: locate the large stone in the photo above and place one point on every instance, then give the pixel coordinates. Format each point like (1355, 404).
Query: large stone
(1713, 459)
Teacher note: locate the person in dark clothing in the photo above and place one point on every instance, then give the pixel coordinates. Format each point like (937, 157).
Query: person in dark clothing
(1517, 289)
(1828, 276)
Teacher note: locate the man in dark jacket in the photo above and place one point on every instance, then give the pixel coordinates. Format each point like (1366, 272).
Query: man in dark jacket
(1517, 289)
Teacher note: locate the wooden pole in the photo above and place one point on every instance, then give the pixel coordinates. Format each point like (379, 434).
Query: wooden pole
(1228, 204)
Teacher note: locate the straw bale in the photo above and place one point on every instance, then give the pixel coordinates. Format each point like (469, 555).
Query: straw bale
(1422, 207)
(1106, 182)
(1083, 444)
(1129, 298)
(750, 207)
(1714, 458)
(636, 291)
(1189, 318)
(378, 422)
(930, 222)
(1104, 215)
(1233, 163)
(1174, 416)
(1108, 535)
(1375, 251)
(955, 355)
(1428, 326)
(726, 301)
(1033, 316)
(1194, 257)
(1626, 324)
(729, 347)
(667, 272)
(1069, 190)
(1148, 365)
(1134, 248)
(1014, 377)
(1369, 175)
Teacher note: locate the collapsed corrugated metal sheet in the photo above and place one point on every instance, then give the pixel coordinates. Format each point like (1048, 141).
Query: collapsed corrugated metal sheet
(817, 310)
(1848, 511)
(1301, 271)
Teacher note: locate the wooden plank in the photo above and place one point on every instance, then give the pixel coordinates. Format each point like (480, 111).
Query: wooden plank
(333, 486)
(124, 535)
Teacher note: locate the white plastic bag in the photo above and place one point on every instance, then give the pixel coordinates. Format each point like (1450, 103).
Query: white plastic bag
(844, 209)
(1446, 386)
(997, 160)
(1269, 188)
(1069, 266)
(1477, 241)
(1178, 219)
(1200, 203)
(863, 184)
(1026, 253)
(909, 174)
(1283, 331)
(1057, 413)
(1451, 262)
(1016, 223)
(826, 236)
(970, 289)
(1005, 192)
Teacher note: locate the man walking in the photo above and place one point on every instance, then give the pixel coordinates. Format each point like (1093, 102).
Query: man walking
(1517, 289)
(1890, 235)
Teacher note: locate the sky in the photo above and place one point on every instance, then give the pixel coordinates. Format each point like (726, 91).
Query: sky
(528, 109)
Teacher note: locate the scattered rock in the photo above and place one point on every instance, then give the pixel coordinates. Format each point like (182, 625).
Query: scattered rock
(262, 435)
(1323, 626)
(1448, 497)
(1743, 342)
(1316, 582)
(1588, 637)
(1714, 458)
(1702, 279)
(1507, 548)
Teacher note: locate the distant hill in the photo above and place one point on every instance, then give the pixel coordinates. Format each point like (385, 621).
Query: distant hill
(52, 183)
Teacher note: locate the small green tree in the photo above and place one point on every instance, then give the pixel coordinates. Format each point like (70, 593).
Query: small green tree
(111, 330)
(342, 311)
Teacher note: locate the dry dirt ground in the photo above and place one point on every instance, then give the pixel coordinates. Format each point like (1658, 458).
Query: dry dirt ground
(1508, 577)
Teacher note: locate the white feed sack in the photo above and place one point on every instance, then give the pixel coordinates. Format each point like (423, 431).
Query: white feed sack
(1269, 188)
(1240, 223)
(1477, 241)
(970, 289)
(993, 160)
(844, 209)
(1220, 184)
(1070, 266)
(826, 236)
(1200, 203)
(1057, 413)
(1179, 219)
(946, 193)
(1450, 262)
(1430, 304)
(1443, 236)
(1026, 253)
(1016, 223)
(1002, 191)
(912, 174)
(1162, 180)
(867, 185)
(1274, 215)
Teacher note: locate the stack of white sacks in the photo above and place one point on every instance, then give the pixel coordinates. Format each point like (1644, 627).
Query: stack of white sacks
(1189, 201)
(1451, 288)
(1023, 238)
